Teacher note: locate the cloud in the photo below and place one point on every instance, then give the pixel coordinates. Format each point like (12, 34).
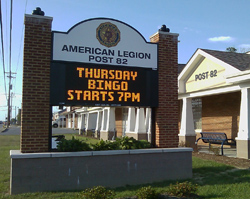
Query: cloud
(221, 39)
(244, 46)
(187, 29)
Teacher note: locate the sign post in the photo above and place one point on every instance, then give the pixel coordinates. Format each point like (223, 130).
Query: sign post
(35, 118)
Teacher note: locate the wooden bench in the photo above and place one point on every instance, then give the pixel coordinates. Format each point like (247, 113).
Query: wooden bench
(216, 138)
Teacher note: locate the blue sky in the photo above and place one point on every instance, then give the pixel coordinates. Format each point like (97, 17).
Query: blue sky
(213, 24)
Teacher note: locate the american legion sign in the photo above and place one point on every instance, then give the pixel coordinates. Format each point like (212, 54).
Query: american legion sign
(98, 62)
(103, 62)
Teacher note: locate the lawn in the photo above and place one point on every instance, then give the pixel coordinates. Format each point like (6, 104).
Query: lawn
(215, 180)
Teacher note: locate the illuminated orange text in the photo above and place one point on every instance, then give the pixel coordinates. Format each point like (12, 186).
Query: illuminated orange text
(107, 85)
(96, 73)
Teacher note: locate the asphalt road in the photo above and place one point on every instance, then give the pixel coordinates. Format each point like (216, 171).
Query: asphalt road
(16, 130)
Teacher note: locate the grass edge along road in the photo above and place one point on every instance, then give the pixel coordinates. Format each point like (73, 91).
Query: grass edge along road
(215, 180)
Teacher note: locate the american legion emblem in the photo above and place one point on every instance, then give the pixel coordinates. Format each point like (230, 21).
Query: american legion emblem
(108, 34)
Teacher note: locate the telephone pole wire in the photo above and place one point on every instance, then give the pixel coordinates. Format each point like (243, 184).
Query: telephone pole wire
(10, 86)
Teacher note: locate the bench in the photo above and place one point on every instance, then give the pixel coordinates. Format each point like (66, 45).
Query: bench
(216, 138)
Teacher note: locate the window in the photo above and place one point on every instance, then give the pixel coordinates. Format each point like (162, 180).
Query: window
(197, 113)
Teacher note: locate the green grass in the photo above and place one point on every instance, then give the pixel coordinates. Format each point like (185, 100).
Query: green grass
(85, 139)
(217, 180)
(7, 143)
(214, 180)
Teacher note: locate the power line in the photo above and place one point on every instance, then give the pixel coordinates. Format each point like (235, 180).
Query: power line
(21, 40)
(1, 26)
(11, 2)
(6, 33)
(10, 86)
(20, 47)
(7, 56)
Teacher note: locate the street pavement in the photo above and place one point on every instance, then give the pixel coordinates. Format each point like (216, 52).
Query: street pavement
(16, 130)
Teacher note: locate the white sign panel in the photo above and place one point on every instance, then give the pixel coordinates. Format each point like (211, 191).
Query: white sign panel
(104, 41)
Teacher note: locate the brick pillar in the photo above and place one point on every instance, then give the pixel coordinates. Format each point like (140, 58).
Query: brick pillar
(36, 84)
(166, 121)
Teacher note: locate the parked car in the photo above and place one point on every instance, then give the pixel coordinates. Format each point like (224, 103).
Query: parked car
(59, 121)
(55, 124)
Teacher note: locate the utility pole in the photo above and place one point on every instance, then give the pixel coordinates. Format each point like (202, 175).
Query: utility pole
(11, 107)
(9, 98)
(15, 114)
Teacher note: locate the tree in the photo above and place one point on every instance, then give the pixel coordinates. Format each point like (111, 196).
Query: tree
(13, 121)
(18, 118)
(244, 50)
(231, 49)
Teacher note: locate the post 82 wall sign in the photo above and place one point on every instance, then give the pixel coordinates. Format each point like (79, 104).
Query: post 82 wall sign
(103, 62)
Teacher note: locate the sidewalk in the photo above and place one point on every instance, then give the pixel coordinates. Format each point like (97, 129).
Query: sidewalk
(3, 129)
(229, 152)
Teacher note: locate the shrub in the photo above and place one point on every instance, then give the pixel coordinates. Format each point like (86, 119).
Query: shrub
(98, 192)
(143, 144)
(131, 143)
(105, 145)
(126, 142)
(146, 193)
(72, 145)
(182, 189)
(120, 143)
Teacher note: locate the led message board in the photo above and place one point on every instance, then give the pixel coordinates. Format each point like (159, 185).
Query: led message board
(101, 85)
